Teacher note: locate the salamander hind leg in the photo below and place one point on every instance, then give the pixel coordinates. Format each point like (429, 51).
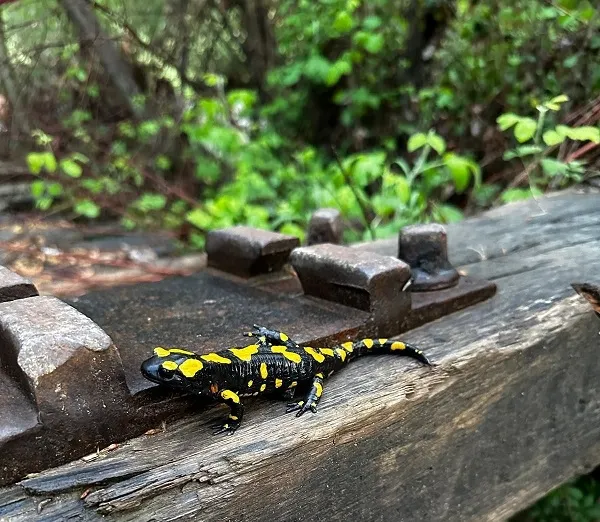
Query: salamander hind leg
(268, 337)
(234, 419)
(311, 401)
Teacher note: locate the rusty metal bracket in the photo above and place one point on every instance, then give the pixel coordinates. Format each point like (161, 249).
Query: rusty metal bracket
(425, 249)
(358, 279)
(247, 252)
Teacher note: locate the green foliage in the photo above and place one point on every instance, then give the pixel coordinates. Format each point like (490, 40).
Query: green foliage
(510, 55)
(368, 78)
(538, 141)
(577, 501)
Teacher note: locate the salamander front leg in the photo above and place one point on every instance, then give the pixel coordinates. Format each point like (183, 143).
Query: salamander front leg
(311, 401)
(268, 337)
(234, 419)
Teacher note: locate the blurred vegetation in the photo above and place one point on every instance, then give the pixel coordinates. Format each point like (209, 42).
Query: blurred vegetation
(576, 501)
(195, 114)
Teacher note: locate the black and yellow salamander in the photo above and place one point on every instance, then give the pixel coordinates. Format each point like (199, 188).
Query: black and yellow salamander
(275, 364)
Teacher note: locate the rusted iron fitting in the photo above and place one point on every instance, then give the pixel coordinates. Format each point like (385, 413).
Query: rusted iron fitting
(325, 227)
(425, 249)
(356, 278)
(246, 251)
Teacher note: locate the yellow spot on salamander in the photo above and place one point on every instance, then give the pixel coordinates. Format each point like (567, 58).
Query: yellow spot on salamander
(278, 383)
(397, 345)
(263, 387)
(263, 370)
(326, 351)
(368, 343)
(349, 346)
(320, 375)
(250, 383)
(382, 341)
(283, 337)
(170, 365)
(341, 353)
(294, 384)
(291, 356)
(262, 339)
(190, 367)
(245, 354)
(314, 354)
(234, 418)
(228, 395)
(180, 351)
(216, 358)
(318, 389)
(159, 351)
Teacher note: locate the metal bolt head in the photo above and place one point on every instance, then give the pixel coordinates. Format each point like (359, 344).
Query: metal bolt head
(425, 249)
(325, 227)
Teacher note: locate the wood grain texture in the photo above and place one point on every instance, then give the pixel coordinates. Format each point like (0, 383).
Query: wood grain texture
(511, 410)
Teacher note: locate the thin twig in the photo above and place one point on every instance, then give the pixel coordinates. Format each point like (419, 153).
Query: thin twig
(364, 210)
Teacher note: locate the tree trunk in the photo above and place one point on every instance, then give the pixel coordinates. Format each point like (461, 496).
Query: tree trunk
(259, 45)
(13, 118)
(91, 35)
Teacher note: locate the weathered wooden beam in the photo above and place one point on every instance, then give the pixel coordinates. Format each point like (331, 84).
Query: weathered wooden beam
(511, 409)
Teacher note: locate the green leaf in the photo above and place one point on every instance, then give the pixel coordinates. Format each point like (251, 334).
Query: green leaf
(370, 23)
(199, 218)
(148, 129)
(518, 194)
(35, 162)
(374, 43)
(44, 203)
(127, 129)
(55, 189)
(163, 162)
(449, 213)
(317, 68)
(38, 188)
(87, 208)
(212, 80)
(416, 141)
(571, 61)
(552, 167)
(525, 129)
(436, 142)
(71, 168)
(343, 22)
(551, 138)
(561, 98)
(402, 189)
(81, 158)
(292, 229)
(460, 170)
(128, 223)
(555, 103)
(522, 151)
(584, 133)
(149, 202)
(506, 121)
(336, 71)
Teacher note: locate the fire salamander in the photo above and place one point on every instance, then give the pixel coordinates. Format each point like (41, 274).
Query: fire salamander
(275, 364)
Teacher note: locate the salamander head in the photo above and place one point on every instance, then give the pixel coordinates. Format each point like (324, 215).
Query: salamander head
(173, 367)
